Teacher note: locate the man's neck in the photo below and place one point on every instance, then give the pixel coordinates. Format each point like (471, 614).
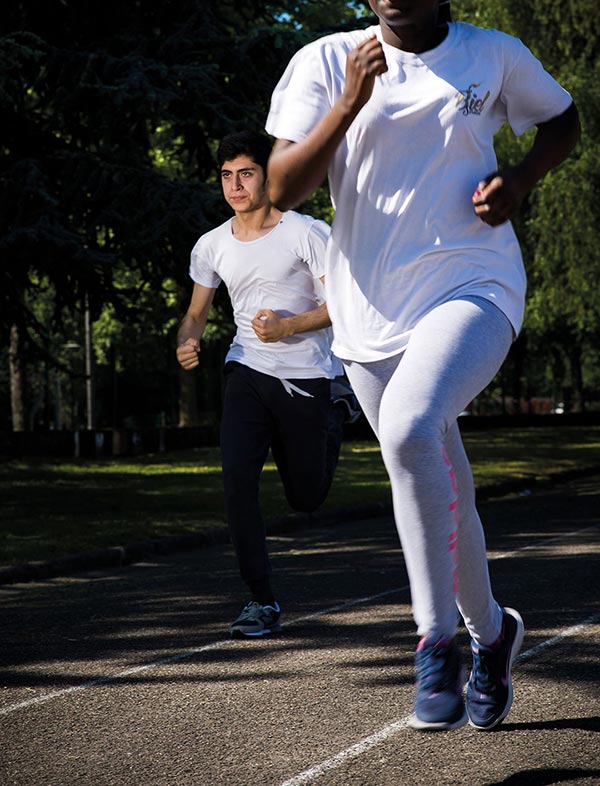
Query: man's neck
(255, 223)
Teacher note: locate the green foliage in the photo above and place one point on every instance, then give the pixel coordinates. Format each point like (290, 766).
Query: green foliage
(111, 115)
(320, 17)
(557, 225)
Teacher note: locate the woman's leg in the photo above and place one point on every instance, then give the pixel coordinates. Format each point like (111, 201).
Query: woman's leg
(412, 402)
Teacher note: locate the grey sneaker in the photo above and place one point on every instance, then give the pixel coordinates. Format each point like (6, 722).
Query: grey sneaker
(256, 620)
(342, 393)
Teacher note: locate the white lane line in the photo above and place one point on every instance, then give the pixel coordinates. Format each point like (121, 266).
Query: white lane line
(547, 541)
(225, 642)
(343, 606)
(568, 632)
(113, 677)
(353, 752)
(183, 655)
(356, 750)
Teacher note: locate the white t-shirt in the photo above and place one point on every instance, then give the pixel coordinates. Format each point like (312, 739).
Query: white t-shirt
(281, 271)
(405, 237)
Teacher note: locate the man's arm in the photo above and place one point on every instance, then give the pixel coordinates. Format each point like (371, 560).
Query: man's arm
(296, 169)
(269, 326)
(500, 195)
(192, 326)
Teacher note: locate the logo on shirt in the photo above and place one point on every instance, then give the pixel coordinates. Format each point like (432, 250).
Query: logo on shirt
(470, 102)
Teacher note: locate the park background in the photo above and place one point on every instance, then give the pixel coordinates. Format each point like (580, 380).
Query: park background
(111, 115)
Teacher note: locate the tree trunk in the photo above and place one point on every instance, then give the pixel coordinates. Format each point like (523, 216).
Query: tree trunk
(517, 354)
(577, 378)
(188, 408)
(17, 379)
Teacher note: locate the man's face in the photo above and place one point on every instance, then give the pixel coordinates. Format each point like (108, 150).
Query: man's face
(406, 15)
(243, 183)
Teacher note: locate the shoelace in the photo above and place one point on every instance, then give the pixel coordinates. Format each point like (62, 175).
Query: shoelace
(431, 668)
(254, 611)
(484, 667)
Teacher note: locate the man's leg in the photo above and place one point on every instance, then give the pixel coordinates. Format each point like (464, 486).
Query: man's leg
(307, 440)
(246, 429)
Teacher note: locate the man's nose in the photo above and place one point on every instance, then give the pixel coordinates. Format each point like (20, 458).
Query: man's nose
(237, 183)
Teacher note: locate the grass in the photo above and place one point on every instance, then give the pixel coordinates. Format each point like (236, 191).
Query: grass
(50, 508)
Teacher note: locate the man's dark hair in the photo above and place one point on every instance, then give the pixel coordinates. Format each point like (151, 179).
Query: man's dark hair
(245, 143)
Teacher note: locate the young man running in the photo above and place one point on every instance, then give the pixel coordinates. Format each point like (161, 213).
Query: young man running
(278, 393)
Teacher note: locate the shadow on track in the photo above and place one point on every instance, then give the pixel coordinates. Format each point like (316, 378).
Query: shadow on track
(544, 777)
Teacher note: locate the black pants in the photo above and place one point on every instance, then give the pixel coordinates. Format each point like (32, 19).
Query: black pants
(304, 435)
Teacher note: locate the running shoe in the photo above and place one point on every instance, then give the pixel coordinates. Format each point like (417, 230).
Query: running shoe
(342, 393)
(489, 690)
(256, 620)
(439, 687)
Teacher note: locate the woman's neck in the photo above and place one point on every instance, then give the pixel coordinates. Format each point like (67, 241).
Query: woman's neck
(409, 39)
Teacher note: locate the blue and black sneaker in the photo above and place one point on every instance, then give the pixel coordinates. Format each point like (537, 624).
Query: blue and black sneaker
(439, 687)
(489, 690)
(256, 620)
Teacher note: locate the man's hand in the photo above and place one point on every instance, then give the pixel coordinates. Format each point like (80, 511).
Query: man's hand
(187, 354)
(269, 326)
(499, 196)
(363, 64)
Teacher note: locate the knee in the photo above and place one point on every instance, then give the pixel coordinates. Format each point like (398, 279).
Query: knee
(306, 499)
(303, 504)
(237, 479)
(409, 439)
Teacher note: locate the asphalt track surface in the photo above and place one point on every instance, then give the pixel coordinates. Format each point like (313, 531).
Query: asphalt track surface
(126, 676)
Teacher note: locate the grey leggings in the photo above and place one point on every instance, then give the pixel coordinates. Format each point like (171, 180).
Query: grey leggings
(412, 401)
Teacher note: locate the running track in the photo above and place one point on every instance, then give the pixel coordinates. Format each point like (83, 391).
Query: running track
(126, 677)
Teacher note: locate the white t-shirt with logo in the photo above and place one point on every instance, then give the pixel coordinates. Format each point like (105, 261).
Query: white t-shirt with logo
(280, 271)
(405, 237)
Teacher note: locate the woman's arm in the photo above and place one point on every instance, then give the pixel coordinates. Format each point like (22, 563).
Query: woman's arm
(500, 195)
(296, 169)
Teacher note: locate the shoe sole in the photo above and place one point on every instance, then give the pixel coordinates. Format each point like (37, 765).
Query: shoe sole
(420, 725)
(240, 634)
(514, 651)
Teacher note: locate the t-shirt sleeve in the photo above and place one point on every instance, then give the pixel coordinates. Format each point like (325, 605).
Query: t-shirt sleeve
(316, 243)
(201, 269)
(530, 94)
(302, 96)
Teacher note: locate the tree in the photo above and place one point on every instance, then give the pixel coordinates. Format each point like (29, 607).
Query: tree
(557, 225)
(111, 114)
(17, 380)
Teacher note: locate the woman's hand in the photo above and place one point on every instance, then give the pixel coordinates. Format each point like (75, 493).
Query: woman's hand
(363, 65)
(499, 196)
